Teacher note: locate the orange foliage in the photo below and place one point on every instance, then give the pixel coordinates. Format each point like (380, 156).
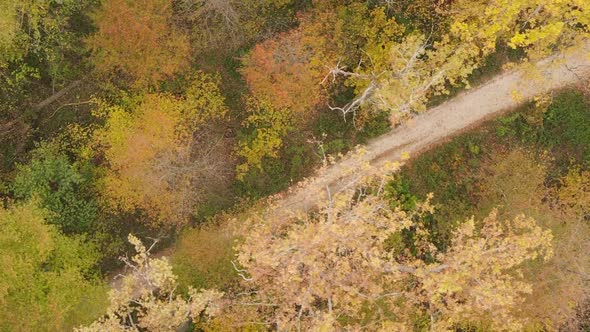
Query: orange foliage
(162, 159)
(135, 141)
(286, 71)
(135, 39)
(289, 69)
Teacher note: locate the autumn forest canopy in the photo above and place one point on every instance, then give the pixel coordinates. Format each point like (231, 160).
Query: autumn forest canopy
(149, 150)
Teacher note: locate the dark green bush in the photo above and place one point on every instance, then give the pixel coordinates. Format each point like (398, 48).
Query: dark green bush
(61, 188)
(567, 125)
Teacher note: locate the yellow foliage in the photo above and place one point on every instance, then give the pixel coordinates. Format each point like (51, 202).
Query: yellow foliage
(402, 75)
(574, 193)
(534, 25)
(479, 279)
(134, 141)
(269, 125)
(8, 30)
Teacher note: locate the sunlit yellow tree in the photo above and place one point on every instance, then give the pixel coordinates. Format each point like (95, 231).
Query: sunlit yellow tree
(401, 75)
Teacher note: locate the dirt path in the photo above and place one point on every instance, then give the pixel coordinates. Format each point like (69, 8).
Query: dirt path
(438, 124)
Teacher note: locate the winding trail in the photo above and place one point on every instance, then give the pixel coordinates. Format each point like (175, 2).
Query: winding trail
(469, 109)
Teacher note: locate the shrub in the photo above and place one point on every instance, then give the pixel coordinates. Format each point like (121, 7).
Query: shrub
(203, 256)
(60, 187)
(567, 123)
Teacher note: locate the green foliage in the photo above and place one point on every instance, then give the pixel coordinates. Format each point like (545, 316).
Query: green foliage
(377, 124)
(507, 125)
(40, 52)
(335, 134)
(339, 135)
(60, 186)
(449, 172)
(565, 127)
(46, 280)
(567, 123)
(43, 33)
(277, 174)
(398, 193)
(452, 174)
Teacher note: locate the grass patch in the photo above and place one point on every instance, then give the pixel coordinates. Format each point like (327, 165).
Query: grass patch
(567, 126)
(564, 130)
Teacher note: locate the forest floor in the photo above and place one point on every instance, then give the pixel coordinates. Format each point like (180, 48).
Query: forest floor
(463, 112)
(466, 111)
